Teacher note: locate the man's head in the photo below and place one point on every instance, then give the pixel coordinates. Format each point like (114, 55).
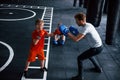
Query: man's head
(39, 24)
(80, 19)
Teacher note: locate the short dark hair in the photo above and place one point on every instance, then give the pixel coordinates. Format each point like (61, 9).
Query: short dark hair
(38, 21)
(80, 16)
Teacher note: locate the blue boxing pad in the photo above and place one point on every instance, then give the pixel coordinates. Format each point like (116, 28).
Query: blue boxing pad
(73, 30)
(63, 29)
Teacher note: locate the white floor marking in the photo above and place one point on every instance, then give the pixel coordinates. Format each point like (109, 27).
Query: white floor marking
(45, 50)
(9, 5)
(10, 56)
(16, 6)
(34, 67)
(47, 23)
(46, 44)
(1, 5)
(46, 26)
(22, 6)
(10, 12)
(33, 79)
(30, 6)
(34, 14)
(43, 13)
(48, 47)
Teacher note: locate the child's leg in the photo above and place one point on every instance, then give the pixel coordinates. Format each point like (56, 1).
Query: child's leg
(56, 37)
(27, 65)
(42, 63)
(31, 58)
(62, 42)
(42, 58)
(26, 68)
(43, 66)
(63, 37)
(55, 41)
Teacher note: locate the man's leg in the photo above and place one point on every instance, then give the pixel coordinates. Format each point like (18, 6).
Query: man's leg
(96, 64)
(85, 55)
(94, 61)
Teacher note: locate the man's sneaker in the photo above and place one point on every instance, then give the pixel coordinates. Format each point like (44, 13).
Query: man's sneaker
(76, 78)
(25, 73)
(99, 70)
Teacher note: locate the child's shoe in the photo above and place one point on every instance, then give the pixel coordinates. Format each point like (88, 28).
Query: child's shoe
(62, 42)
(44, 69)
(55, 42)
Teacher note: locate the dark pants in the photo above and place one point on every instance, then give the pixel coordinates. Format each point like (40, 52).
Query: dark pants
(75, 2)
(88, 54)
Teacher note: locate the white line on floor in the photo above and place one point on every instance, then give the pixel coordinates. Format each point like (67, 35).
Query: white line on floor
(10, 56)
(34, 14)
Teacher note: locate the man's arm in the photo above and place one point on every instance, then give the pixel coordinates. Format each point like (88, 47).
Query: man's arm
(76, 38)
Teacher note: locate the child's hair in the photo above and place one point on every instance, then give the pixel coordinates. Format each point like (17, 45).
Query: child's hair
(39, 21)
(80, 16)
